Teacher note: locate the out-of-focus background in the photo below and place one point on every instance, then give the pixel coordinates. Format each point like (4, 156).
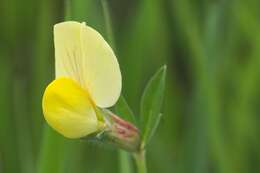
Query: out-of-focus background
(211, 112)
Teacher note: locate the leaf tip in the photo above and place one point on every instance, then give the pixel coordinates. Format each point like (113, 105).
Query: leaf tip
(163, 70)
(164, 67)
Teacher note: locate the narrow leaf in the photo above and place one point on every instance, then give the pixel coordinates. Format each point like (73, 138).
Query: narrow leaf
(151, 104)
(124, 111)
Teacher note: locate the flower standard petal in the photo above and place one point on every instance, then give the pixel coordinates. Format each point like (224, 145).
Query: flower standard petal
(82, 54)
(68, 56)
(68, 109)
(102, 69)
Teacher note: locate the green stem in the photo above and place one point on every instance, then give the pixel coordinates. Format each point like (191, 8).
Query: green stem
(140, 161)
(124, 162)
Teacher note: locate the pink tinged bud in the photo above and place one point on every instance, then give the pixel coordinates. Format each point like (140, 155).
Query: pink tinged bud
(122, 133)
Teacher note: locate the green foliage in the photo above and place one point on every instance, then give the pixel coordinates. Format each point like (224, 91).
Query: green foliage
(151, 104)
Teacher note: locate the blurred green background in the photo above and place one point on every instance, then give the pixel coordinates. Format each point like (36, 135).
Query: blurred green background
(211, 112)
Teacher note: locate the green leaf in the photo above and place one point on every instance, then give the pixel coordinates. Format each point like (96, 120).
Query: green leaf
(124, 111)
(151, 104)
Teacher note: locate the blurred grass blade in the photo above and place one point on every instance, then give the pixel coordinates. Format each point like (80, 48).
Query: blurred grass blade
(24, 137)
(151, 104)
(123, 110)
(67, 10)
(8, 137)
(108, 24)
(52, 152)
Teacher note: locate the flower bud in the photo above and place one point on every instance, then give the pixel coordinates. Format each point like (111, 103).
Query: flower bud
(120, 133)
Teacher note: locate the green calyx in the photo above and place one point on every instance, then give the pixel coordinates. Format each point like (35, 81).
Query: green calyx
(117, 132)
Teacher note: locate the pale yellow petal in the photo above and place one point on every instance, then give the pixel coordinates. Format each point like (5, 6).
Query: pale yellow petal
(102, 69)
(68, 109)
(82, 54)
(68, 56)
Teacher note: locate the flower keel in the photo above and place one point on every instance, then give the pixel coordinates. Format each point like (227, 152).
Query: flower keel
(68, 109)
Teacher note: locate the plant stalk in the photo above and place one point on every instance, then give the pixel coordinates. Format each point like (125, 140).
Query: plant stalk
(140, 161)
(125, 165)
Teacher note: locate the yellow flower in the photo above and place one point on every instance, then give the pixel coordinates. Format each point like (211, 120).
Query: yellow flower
(88, 77)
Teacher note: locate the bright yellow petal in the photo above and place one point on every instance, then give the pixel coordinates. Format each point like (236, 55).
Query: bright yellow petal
(82, 54)
(68, 109)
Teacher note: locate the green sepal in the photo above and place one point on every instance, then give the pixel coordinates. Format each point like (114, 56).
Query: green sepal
(123, 110)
